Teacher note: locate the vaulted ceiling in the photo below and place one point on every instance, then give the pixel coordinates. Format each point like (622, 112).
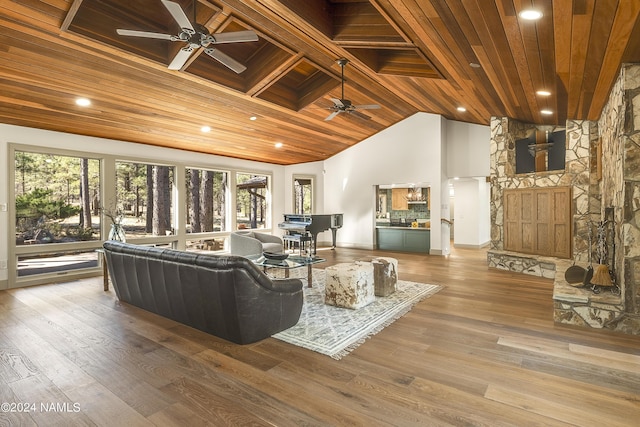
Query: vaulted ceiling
(405, 55)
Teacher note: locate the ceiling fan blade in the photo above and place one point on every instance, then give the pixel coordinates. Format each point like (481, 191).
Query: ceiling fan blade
(231, 37)
(337, 102)
(225, 60)
(178, 15)
(367, 107)
(181, 58)
(146, 34)
(359, 114)
(332, 115)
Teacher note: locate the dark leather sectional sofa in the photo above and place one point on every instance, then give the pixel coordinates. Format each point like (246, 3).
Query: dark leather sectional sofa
(224, 295)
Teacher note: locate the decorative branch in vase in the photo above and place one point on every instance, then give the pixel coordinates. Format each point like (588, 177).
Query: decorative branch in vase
(117, 230)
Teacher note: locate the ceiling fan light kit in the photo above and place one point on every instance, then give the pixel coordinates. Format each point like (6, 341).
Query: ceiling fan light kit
(343, 105)
(196, 36)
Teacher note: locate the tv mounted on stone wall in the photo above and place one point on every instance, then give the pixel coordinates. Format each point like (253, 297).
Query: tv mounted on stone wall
(542, 151)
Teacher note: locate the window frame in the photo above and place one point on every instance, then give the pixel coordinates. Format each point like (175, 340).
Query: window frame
(15, 250)
(229, 197)
(112, 202)
(312, 204)
(107, 193)
(268, 224)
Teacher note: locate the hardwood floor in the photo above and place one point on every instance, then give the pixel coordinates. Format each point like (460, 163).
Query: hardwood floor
(483, 351)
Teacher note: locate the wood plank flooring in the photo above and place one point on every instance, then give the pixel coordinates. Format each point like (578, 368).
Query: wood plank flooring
(484, 351)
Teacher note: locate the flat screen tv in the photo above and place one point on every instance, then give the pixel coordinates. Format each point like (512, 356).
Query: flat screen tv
(553, 150)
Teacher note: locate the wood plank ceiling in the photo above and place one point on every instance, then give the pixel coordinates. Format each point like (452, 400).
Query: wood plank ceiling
(405, 55)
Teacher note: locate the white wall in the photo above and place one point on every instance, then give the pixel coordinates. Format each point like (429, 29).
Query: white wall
(472, 216)
(445, 212)
(409, 151)
(469, 148)
(421, 148)
(468, 156)
(314, 169)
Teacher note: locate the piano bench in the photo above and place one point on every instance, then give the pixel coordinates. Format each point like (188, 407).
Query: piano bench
(301, 240)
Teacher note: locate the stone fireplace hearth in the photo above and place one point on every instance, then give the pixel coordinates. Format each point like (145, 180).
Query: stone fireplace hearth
(612, 146)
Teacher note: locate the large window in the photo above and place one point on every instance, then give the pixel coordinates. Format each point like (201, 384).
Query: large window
(252, 203)
(58, 262)
(207, 213)
(144, 199)
(56, 198)
(206, 200)
(66, 201)
(302, 195)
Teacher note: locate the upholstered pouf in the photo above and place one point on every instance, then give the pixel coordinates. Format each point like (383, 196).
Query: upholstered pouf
(385, 274)
(349, 285)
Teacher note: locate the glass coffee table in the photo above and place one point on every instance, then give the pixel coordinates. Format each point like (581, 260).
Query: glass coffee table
(292, 261)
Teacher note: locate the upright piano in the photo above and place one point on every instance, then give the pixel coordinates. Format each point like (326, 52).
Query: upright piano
(312, 224)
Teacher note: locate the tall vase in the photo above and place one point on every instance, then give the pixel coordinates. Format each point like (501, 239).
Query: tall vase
(117, 233)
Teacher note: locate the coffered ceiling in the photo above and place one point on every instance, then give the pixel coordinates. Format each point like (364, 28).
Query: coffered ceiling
(405, 55)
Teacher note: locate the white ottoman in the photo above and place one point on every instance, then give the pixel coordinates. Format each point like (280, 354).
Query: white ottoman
(349, 285)
(385, 274)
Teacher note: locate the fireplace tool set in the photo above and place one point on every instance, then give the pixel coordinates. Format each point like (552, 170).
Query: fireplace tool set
(598, 276)
(603, 276)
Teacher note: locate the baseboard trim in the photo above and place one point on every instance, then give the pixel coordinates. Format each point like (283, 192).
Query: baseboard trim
(464, 246)
(346, 245)
(45, 279)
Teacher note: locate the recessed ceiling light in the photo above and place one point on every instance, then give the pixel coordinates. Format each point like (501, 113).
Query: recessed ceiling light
(543, 93)
(546, 112)
(530, 14)
(83, 102)
(279, 144)
(461, 109)
(474, 65)
(253, 118)
(205, 129)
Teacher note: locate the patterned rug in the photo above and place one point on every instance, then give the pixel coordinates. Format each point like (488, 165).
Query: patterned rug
(335, 331)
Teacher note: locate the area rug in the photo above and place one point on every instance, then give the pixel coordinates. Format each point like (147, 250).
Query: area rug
(335, 331)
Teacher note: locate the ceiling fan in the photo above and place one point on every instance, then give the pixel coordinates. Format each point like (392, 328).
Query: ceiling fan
(344, 105)
(196, 36)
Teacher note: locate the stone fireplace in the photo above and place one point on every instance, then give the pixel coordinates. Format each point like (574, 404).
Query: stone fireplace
(602, 168)
(578, 174)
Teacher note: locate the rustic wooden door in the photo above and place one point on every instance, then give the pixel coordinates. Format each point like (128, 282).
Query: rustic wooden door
(538, 221)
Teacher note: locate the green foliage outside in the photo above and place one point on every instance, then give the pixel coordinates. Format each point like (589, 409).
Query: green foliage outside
(48, 201)
(40, 204)
(38, 218)
(251, 202)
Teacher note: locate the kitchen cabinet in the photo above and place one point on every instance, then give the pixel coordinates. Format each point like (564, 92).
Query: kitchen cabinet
(399, 199)
(405, 239)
